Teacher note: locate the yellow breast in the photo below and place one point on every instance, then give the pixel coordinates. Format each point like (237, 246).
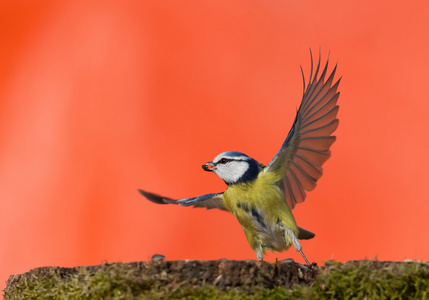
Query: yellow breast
(260, 207)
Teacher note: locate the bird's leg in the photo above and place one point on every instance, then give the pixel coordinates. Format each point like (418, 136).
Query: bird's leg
(298, 248)
(302, 253)
(291, 236)
(259, 253)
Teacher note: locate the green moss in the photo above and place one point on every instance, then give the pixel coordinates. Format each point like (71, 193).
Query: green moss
(352, 280)
(372, 280)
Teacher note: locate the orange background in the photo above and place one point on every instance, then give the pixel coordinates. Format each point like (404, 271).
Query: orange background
(100, 99)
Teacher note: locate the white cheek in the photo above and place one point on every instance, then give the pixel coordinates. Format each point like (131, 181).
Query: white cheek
(232, 171)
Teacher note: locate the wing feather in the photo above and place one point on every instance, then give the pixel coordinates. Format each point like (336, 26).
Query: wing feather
(307, 144)
(208, 201)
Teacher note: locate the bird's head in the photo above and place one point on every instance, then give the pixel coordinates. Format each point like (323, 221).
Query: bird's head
(234, 167)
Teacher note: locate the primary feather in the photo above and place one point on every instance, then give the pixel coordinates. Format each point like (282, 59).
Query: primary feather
(306, 147)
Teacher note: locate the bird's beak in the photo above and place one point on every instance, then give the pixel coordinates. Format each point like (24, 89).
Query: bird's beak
(208, 167)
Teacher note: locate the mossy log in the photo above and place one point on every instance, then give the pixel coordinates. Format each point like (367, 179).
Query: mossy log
(223, 279)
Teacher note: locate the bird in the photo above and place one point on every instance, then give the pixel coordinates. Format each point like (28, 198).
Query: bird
(262, 197)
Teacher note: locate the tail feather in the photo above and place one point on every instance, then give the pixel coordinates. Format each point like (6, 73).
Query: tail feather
(304, 234)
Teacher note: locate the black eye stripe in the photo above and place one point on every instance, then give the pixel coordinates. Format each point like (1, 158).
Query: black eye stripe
(224, 161)
(227, 160)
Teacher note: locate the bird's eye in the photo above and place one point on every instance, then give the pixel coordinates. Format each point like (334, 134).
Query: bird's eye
(224, 161)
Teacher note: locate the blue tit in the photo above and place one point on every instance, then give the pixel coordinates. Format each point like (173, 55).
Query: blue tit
(261, 197)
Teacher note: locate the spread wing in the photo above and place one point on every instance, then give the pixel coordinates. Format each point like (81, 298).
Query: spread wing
(307, 144)
(208, 201)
